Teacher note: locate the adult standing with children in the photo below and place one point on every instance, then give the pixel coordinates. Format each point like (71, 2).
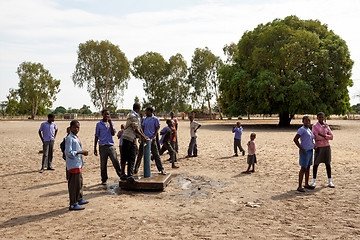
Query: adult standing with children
(104, 135)
(47, 133)
(323, 134)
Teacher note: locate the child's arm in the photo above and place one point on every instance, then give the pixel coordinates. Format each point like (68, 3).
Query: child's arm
(297, 143)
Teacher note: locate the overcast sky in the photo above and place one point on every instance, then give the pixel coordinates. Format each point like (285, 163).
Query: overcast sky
(49, 32)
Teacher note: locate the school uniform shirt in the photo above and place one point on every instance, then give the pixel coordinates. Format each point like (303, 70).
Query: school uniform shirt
(150, 124)
(132, 123)
(238, 132)
(121, 138)
(48, 131)
(193, 125)
(323, 129)
(103, 132)
(165, 137)
(306, 138)
(251, 148)
(74, 162)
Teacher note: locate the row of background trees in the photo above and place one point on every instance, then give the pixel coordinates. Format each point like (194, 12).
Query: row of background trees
(284, 67)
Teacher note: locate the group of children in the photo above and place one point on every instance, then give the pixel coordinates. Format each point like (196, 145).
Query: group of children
(73, 152)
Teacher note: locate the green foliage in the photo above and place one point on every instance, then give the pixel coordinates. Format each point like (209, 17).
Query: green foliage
(152, 68)
(164, 82)
(203, 76)
(288, 66)
(136, 99)
(85, 110)
(103, 67)
(356, 108)
(37, 90)
(59, 110)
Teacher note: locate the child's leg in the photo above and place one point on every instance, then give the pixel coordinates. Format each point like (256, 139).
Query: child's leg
(248, 169)
(301, 176)
(235, 146)
(253, 167)
(307, 174)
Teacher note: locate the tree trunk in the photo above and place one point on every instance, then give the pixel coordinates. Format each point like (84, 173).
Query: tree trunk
(210, 109)
(285, 119)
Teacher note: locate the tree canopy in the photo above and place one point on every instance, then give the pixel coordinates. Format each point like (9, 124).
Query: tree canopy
(203, 76)
(37, 90)
(103, 67)
(286, 67)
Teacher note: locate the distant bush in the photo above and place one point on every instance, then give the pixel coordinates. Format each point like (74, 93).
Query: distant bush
(239, 118)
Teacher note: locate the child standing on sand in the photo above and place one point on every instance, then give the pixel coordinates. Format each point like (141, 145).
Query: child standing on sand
(305, 151)
(119, 135)
(74, 164)
(237, 129)
(251, 158)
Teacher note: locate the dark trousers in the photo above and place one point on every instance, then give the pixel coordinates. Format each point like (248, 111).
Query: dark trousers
(170, 147)
(75, 184)
(156, 155)
(48, 148)
(176, 148)
(192, 150)
(105, 152)
(139, 156)
(237, 144)
(128, 156)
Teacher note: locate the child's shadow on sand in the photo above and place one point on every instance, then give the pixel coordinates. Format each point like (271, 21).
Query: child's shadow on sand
(241, 175)
(295, 193)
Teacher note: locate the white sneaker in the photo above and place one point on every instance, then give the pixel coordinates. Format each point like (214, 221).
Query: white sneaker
(331, 185)
(313, 185)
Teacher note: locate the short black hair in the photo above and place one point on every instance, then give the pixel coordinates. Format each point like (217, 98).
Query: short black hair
(51, 115)
(104, 110)
(168, 121)
(149, 109)
(305, 117)
(136, 106)
(320, 113)
(73, 122)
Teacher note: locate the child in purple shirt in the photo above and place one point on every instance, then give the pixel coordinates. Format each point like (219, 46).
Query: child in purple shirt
(237, 129)
(305, 152)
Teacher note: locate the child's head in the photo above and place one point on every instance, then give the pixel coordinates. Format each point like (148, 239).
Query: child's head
(75, 126)
(252, 136)
(172, 115)
(306, 121)
(51, 117)
(136, 107)
(169, 122)
(68, 130)
(238, 124)
(321, 117)
(191, 118)
(106, 114)
(122, 127)
(149, 111)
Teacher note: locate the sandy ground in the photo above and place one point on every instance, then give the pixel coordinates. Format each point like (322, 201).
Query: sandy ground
(206, 200)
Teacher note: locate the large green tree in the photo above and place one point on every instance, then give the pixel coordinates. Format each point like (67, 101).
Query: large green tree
(37, 88)
(103, 67)
(152, 68)
(203, 77)
(286, 67)
(178, 89)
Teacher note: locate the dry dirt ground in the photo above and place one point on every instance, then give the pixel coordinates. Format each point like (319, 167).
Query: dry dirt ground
(208, 199)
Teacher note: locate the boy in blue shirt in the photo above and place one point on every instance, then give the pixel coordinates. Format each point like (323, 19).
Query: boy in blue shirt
(47, 133)
(237, 129)
(104, 135)
(305, 152)
(74, 164)
(167, 133)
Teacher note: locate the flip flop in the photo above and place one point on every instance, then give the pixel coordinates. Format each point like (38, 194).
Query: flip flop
(246, 172)
(309, 187)
(300, 190)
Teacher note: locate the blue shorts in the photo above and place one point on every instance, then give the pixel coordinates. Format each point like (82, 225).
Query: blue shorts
(306, 159)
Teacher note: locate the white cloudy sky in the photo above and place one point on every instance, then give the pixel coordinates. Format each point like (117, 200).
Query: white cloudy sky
(49, 32)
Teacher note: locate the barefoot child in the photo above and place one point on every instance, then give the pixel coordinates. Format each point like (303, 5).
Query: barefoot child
(305, 151)
(251, 158)
(74, 164)
(237, 129)
(167, 133)
(119, 135)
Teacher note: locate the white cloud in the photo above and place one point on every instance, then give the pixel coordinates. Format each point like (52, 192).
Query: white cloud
(42, 31)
